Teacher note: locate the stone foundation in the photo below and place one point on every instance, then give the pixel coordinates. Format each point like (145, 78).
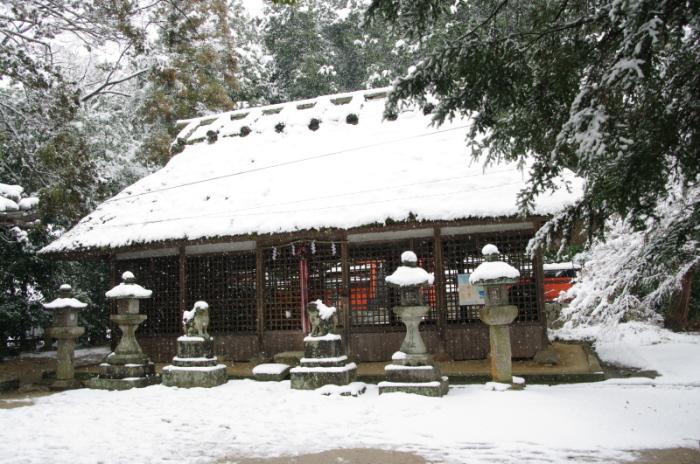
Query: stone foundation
(410, 376)
(194, 365)
(324, 363)
(124, 376)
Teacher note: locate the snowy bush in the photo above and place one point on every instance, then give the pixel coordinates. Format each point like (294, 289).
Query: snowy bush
(634, 275)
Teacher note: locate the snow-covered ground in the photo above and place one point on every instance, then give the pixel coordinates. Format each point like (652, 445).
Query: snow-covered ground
(596, 422)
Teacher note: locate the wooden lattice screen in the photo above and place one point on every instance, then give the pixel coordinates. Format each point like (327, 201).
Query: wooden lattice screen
(462, 254)
(371, 299)
(227, 283)
(282, 289)
(325, 273)
(161, 275)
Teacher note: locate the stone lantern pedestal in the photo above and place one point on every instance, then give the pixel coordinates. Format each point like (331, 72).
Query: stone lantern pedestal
(128, 366)
(497, 277)
(65, 329)
(412, 369)
(499, 318)
(195, 364)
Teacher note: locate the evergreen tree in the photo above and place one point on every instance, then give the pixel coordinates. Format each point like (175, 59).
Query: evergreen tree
(320, 47)
(609, 90)
(195, 69)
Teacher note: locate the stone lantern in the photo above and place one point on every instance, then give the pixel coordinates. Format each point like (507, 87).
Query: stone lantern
(412, 369)
(497, 277)
(65, 329)
(127, 366)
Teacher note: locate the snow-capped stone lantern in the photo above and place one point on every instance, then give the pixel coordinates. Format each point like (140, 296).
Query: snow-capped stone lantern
(412, 369)
(65, 329)
(128, 366)
(497, 277)
(409, 279)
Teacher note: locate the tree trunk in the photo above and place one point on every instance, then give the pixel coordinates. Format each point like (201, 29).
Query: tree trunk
(677, 317)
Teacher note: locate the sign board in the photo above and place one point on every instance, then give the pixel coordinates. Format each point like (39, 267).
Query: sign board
(469, 294)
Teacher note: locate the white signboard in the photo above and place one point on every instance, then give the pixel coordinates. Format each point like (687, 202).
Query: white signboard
(469, 294)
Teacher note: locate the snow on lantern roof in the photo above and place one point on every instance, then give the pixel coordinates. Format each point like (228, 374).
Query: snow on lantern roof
(409, 274)
(278, 175)
(128, 289)
(491, 270)
(65, 300)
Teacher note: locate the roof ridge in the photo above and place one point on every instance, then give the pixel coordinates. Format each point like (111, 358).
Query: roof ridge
(334, 98)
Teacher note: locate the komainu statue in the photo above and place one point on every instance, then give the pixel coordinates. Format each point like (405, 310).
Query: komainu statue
(195, 322)
(323, 318)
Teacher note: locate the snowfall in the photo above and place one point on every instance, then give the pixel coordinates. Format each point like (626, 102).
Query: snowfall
(590, 422)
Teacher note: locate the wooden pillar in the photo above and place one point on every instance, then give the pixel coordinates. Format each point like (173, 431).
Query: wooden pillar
(260, 295)
(345, 276)
(114, 280)
(538, 275)
(183, 279)
(439, 270)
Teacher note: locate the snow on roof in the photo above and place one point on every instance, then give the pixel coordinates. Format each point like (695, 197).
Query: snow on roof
(63, 303)
(281, 176)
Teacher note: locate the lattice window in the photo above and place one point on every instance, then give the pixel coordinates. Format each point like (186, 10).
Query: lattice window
(462, 254)
(227, 283)
(282, 289)
(371, 299)
(325, 273)
(162, 276)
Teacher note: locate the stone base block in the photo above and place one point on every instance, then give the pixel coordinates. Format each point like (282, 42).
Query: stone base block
(126, 358)
(411, 374)
(188, 377)
(194, 347)
(311, 378)
(271, 372)
(338, 361)
(122, 384)
(434, 388)
(194, 362)
(317, 347)
(60, 385)
(405, 359)
(122, 371)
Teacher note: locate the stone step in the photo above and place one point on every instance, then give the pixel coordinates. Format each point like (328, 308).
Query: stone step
(271, 372)
(434, 388)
